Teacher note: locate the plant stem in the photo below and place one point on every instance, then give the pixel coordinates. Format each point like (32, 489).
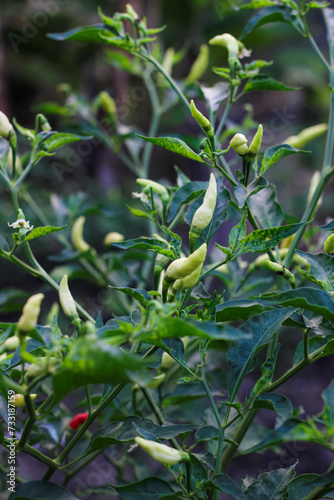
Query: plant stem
(218, 468)
(40, 456)
(154, 98)
(30, 422)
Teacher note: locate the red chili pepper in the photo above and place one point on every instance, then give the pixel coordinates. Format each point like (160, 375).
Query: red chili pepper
(78, 420)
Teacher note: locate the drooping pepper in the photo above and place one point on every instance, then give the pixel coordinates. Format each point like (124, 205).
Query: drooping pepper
(282, 271)
(204, 213)
(329, 245)
(31, 311)
(66, 299)
(77, 235)
(180, 268)
(203, 122)
(161, 452)
(199, 66)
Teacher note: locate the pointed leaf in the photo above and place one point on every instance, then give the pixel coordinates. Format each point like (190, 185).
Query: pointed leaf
(151, 488)
(303, 485)
(184, 195)
(311, 299)
(264, 82)
(265, 208)
(240, 310)
(271, 485)
(83, 34)
(174, 144)
(42, 231)
(55, 140)
(263, 239)
(275, 153)
(41, 490)
(272, 14)
(321, 269)
(241, 354)
(277, 402)
(152, 244)
(136, 293)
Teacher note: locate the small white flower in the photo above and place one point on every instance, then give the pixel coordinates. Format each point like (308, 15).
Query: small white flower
(21, 223)
(245, 53)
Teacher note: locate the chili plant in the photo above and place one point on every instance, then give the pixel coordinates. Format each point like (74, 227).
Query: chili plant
(148, 381)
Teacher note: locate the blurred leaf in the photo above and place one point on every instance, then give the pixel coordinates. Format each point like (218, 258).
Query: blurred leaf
(328, 397)
(303, 485)
(240, 310)
(83, 34)
(124, 432)
(174, 144)
(264, 82)
(151, 488)
(225, 483)
(265, 208)
(328, 227)
(152, 244)
(241, 354)
(258, 4)
(92, 361)
(276, 402)
(40, 490)
(271, 485)
(243, 193)
(311, 299)
(215, 95)
(184, 195)
(329, 21)
(275, 153)
(42, 231)
(136, 293)
(321, 269)
(279, 13)
(55, 140)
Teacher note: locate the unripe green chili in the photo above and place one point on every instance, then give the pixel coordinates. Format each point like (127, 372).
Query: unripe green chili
(156, 188)
(306, 135)
(113, 237)
(167, 361)
(77, 235)
(66, 299)
(202, 121)
(180, 268)
(107, 104)
(199, 66)
(11, 344)
(282, 271)
(239, 144)
(329, 245)
(31, 311)
(132, 13)
(231, 44)
(6, 128)
(204, 213)
(254, 148)
(162, 453)
(188, 281)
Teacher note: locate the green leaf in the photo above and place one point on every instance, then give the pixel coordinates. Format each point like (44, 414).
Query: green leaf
(270, 15)
(3, 397)
(185, 393)
(321, 269)
(42, 231)
(271, 485)
(303, 485)
(124, 432)
(329, 21)
(311, 299)
(151, 488)
(55, 140)
(225, 483)
(152, 244)
(41, 490)
(263, 239)
(240, 309)
(215, 95)
(136, 293)
(184, 195)
(328, 397)
(328, 227)
(275, 153)
(237, 233)
(139, 213)
(198, 474)
(241, 354)
(264, 82)
(90, 34)
(92, 361)
(174, 144)
(180, 327)
(258, 4)
(315, 5)
(265, 208)
(276, 402)
(292, 430)
(243, 193)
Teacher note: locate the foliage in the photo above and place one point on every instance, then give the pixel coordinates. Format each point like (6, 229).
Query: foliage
(143, 373)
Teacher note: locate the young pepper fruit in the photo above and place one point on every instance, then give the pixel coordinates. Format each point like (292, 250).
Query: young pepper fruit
(162, 453)
(31, 311)
(78, 420)
(180, 268)
(204, 213)
(77, 235)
